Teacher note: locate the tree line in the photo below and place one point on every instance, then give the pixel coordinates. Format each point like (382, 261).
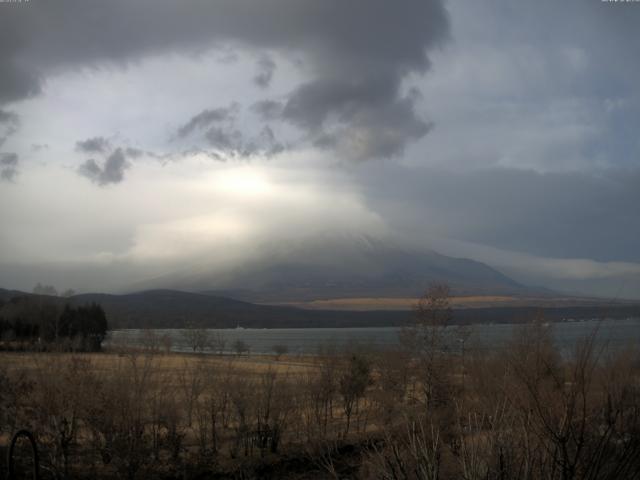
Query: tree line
(32, 321)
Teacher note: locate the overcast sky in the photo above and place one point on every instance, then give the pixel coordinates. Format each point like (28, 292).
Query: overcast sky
(140, 136)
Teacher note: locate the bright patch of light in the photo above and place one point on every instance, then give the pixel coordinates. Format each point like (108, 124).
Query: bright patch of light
(195, 235)
(244, 182)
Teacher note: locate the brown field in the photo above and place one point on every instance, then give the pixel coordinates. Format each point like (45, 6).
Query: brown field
(165, 363)
(472, 301)
(343, 414)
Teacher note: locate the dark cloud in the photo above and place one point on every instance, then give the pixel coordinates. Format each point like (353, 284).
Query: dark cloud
(8, 118)
(370, 130)
(359, 119)
(351, 48)
(266, 68)
(115, 163)
(270, 143)
(135, 152)
(37, 147)
(208, 117)
(213, 155)
(8, 166)
(264, 144)
(9, 123)
(557, 215)
(222, 134)
(94, 145)
(544, 86)
(111, 171)
(16, 83)
(234, 144)
(268, 109)
(371, 34)
(224, 139)
(115, 160)
(91, 170)
(220, 129)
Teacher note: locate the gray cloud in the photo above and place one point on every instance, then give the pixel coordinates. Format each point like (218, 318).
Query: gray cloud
(16, 82)
(136, 152)
(115, 160)
(266, 68)
(37, 147)
(265, 144)
(555, 215)
(207, 117)
(375, 131)
(547, 86)
(361, 120)
(9, 123)
(8, 166)
(270, 143)
(215, 127)
(268, 109)
(370, 34)
(111, 171)
(224, 137)
(233, 143)
(350, 48)
(94, 145)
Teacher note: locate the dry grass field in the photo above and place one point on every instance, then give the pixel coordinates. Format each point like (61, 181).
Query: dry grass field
(519, 412)
(170, 364)
(471, 301)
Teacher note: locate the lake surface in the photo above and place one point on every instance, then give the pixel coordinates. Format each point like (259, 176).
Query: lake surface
(615, 334)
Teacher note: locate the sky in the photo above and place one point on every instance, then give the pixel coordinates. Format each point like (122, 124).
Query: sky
(142, 137)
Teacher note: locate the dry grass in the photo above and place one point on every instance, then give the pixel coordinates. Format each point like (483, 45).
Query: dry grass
(386, 303)
(469, 301)
(518, 412)
(171, 363)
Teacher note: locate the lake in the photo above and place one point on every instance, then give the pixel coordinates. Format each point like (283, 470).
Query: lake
(616, 334)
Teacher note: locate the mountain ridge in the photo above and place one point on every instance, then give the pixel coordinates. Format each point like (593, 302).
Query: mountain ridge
(167, 309)
(343, 267)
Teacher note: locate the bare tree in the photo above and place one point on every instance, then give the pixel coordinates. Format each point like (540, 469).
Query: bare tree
(320, 388)
(191, 383)
(41, 289)
(279, 350)
(427, 340)
(218, 342)
(353, 383)
(167, 342)
(59, 399)
(392, 368)
(149, 341)
(275, 406)
(240, 347)
(412, 454)
(462, 334)
(118, 417)
(196, 338)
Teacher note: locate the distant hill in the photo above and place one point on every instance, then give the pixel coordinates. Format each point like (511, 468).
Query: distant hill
(332, 267)
(7, 294)
(176, 309)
